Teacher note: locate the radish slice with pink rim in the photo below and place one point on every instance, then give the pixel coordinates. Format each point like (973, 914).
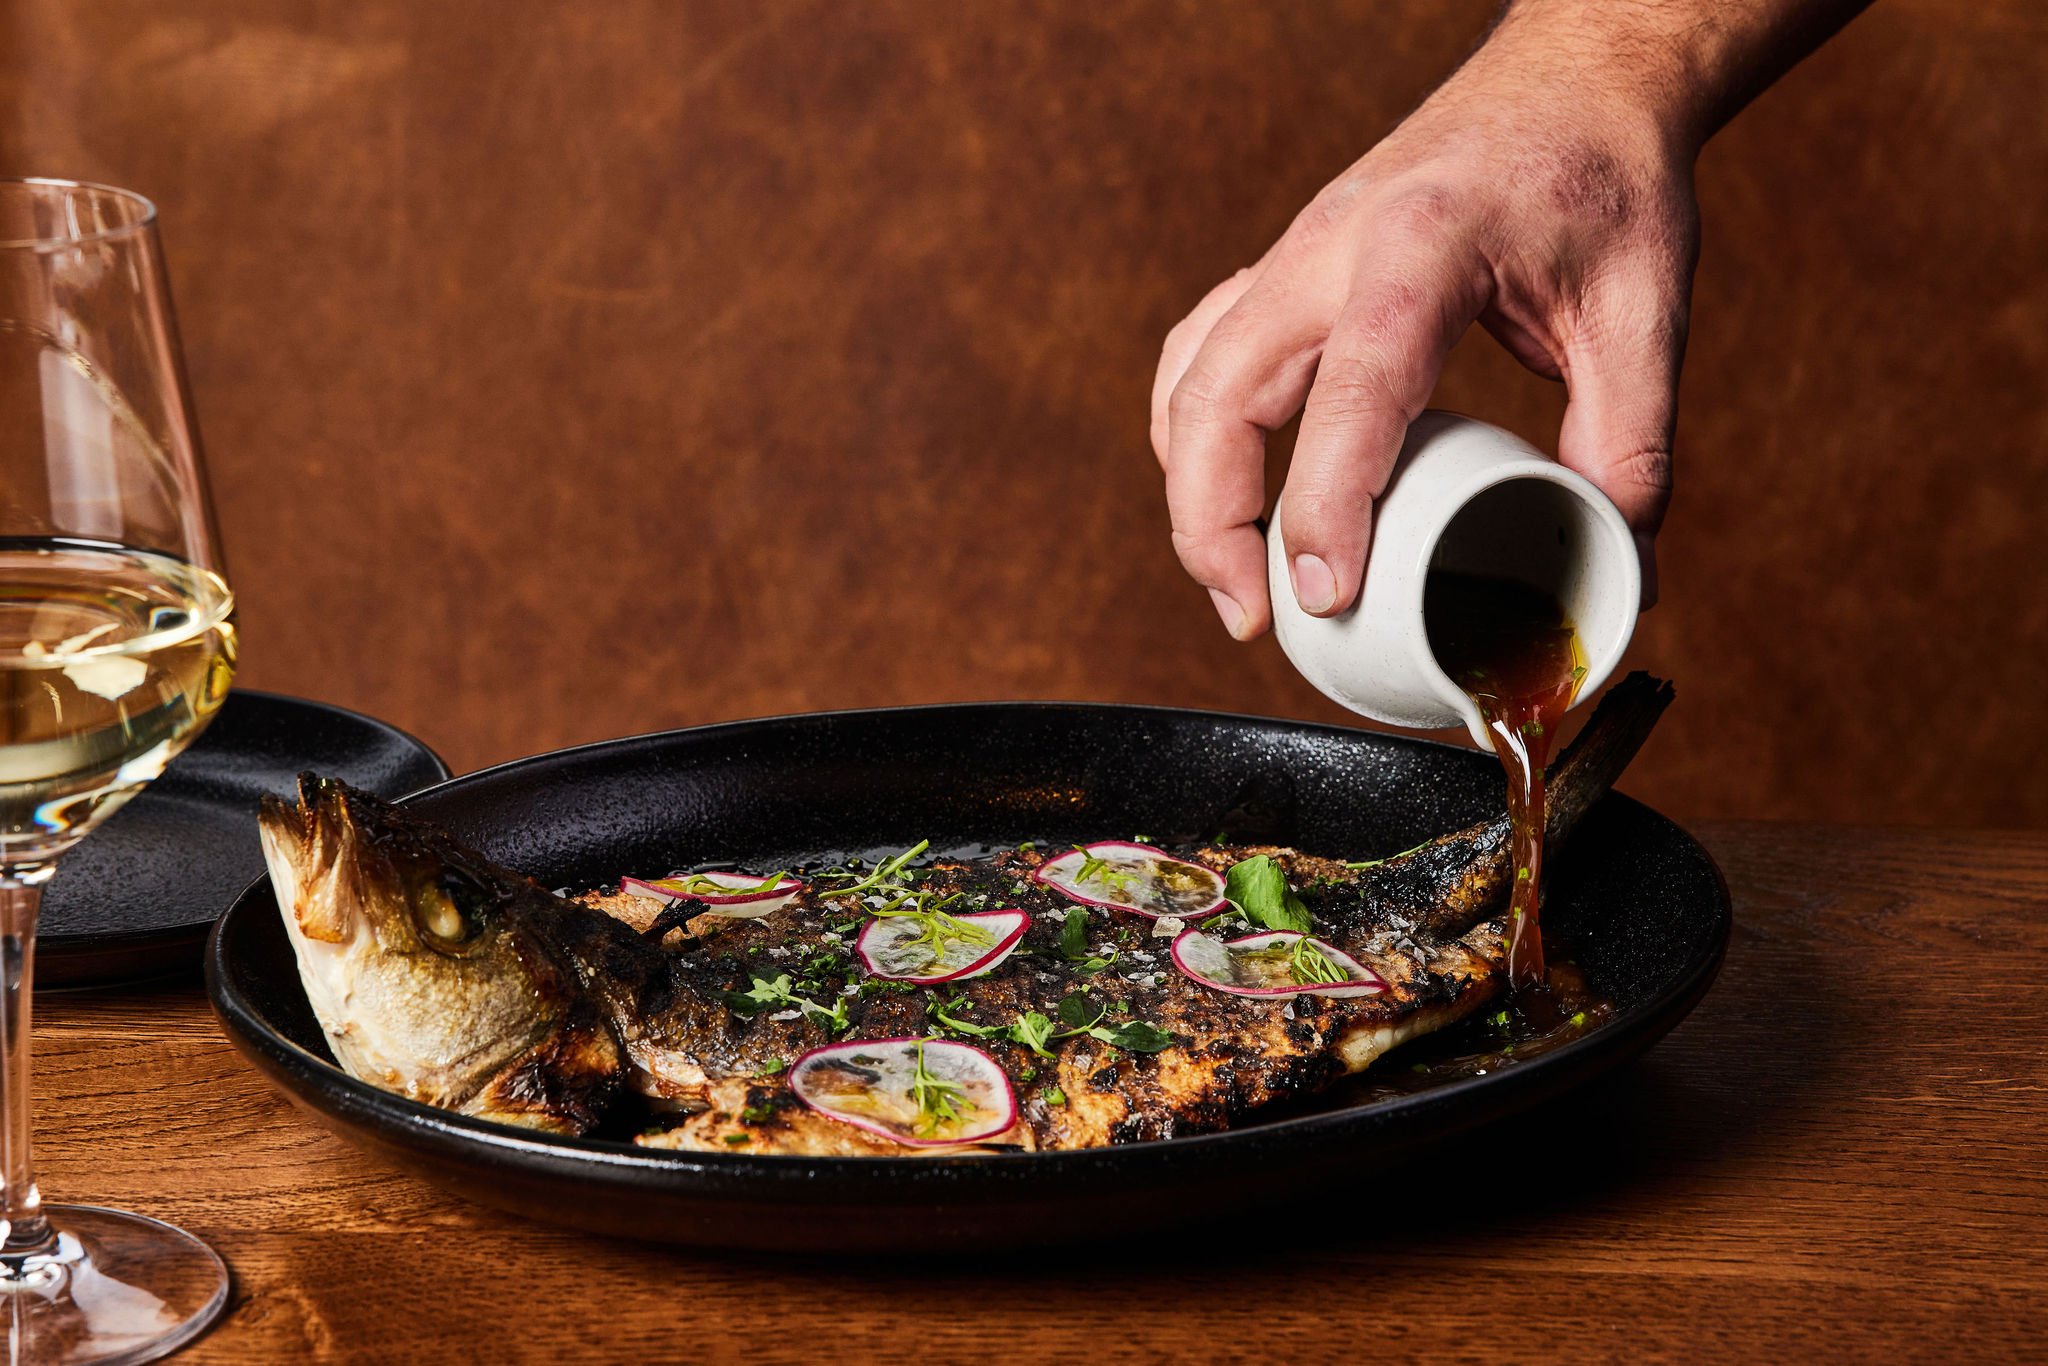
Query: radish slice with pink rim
(872, 1084)
(736, 896)
(1263, 965)
(1133, 877)
(887, 947)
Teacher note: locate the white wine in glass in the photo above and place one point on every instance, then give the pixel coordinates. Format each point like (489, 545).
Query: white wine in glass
(117, 644)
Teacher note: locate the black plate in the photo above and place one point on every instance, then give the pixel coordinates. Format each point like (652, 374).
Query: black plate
(1645, 900)
(136, 897)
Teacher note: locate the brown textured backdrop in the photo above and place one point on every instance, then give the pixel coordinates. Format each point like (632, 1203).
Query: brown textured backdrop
(568, 370)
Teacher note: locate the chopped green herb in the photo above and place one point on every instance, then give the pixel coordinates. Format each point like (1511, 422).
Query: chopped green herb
(737, 1139)
(1027, 846)
(1097, 869)
(1521, 874)
(754, 1114)
(1420, 1067)
(1074, 942)
(1579, 1020)
(1258, 887)
(1026, 1073)
(888, 874)
(1309, 965)
(1135, 1036)
(1078, 1011)
(704, 884)
(938, 929)
(770, 1068)
(1052, 1095)
(939, 1102)
(1034, 1031)
(765, 993)
(1082, 1015)
(941, 1013)
(1074, 935)
(1376, 862)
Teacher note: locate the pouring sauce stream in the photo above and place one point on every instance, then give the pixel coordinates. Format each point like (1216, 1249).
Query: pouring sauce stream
(1513, 650)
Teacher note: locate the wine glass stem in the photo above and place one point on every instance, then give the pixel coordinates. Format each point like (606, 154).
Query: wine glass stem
(28, 1233)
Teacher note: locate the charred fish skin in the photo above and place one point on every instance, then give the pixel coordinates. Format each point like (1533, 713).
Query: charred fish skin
(432, 971)
(1453, 882)
(442, 976)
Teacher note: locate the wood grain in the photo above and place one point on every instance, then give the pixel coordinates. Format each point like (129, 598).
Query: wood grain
(575, 370)
(1839, 1154)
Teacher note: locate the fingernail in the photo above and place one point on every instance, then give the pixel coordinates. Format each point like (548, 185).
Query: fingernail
(1227, 608)
(1315, 587)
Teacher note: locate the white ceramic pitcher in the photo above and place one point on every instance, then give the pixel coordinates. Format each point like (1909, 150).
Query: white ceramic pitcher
(1470, 497)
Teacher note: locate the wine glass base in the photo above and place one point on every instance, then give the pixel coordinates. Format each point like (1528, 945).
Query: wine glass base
(117, 1288)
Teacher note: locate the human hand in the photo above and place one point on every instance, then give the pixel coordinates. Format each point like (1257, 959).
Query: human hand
(1551, 205)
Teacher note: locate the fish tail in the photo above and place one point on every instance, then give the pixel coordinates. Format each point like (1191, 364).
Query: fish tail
(1594, 761)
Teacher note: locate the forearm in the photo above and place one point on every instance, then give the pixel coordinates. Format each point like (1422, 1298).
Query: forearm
(1691, 65)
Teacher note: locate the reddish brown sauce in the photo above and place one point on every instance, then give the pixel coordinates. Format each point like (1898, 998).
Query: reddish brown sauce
(1515, 652)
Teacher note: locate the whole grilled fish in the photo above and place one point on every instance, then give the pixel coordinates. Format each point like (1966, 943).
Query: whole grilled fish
(440, 976)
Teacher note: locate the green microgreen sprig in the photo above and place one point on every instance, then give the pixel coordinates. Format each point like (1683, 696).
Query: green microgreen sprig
(1376, 862)
(939, 1102)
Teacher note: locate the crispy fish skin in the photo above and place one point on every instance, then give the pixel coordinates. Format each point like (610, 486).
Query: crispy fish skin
(537, 1010)
(433, 972)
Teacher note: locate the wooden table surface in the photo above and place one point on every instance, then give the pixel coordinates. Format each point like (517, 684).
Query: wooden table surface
(1840, 1153)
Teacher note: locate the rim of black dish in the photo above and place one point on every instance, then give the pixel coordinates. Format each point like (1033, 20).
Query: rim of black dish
(1629, 1032)
(57, 944)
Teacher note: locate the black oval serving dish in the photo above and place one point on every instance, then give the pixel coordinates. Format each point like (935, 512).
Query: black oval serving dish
(136, 899)
(1641, 900)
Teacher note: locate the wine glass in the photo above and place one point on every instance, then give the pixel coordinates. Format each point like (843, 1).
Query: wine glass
(117, 644)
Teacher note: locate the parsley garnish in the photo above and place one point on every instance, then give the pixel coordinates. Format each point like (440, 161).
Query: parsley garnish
(1031, 1029)
(1034, 1031)
(1074, 942)
(1052, 1095)
(765, 993)
(1084, 1016)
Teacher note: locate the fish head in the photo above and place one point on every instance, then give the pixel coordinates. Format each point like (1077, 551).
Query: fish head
(421, 959)
(344, 863)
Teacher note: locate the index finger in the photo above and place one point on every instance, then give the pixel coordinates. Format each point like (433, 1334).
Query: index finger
(1249, 376)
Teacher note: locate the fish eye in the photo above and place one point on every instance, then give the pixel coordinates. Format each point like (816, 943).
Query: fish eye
(449, 909)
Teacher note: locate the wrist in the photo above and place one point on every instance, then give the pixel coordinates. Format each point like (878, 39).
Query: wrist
(1658, 75)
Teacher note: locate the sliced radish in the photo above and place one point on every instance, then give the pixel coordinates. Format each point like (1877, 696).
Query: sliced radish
(887, 950)
(872, 1085)
(1134, 877)
(1262, 965)
(736, 896)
